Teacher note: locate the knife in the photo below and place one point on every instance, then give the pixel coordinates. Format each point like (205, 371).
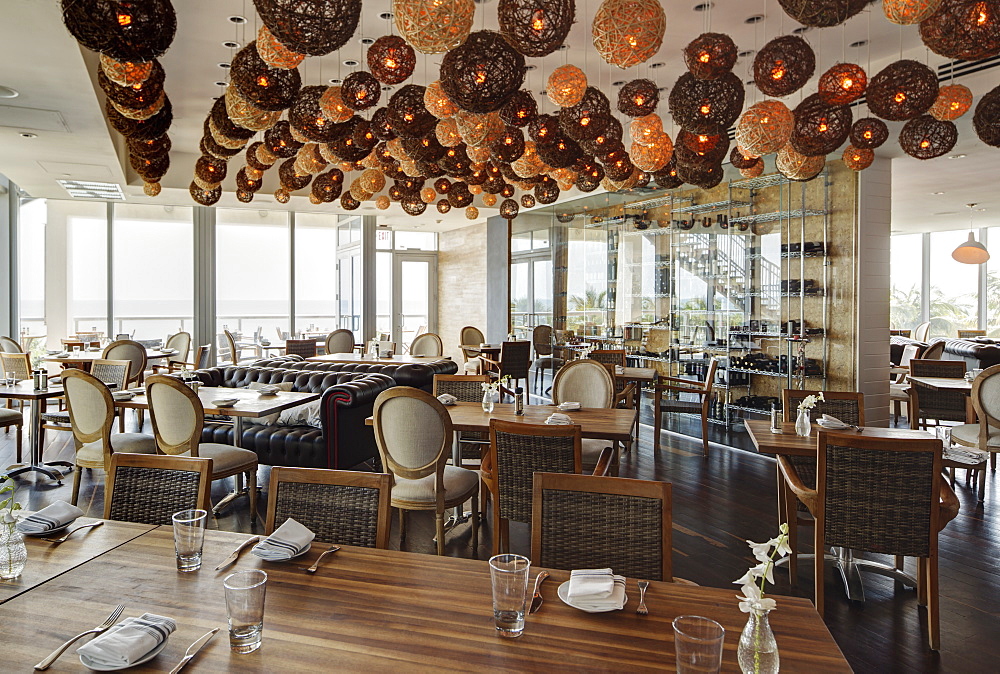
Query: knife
(236, 553)
(536, 598)
(193, 650)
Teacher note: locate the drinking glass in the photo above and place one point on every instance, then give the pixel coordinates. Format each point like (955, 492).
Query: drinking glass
(11, 380)
(698, 643)
(189, 537)
(509, 574)
(245, 605)
(77, 348)
(944, 433)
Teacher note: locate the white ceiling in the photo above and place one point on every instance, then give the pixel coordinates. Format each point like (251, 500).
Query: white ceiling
(52, 73)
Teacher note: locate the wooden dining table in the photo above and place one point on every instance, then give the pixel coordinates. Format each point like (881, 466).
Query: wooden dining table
(398, 359)
(24, 390)
(378, 610)
(86, 357)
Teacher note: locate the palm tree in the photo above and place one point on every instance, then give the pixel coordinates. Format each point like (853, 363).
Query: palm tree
(591, 300)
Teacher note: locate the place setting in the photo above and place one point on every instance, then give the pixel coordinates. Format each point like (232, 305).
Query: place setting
(52, 523)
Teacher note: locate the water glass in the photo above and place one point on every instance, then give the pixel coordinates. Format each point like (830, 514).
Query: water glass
(698, 644)
(77, 348)
(189, 537)
(245, 605)
(944, 434)
(509, 574)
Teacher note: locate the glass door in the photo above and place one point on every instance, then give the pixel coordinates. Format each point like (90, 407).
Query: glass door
(414, 296)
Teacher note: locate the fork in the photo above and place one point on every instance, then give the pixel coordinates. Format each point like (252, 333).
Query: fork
(315, 566)
(112, 619)
(69, 533)
(642, 610)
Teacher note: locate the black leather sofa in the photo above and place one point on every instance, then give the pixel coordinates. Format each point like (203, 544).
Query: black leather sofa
(417, 375)
(343, 442)
(980, 352)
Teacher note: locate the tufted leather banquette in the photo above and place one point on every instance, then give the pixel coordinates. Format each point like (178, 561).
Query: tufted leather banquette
(417, 375)
(347, 400)
(981, 352)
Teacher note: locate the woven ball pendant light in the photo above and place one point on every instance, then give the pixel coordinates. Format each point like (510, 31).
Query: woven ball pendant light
(783, 65)
(765, 127)
(313, 27)
(124, 31)
(706, 106)
(391, 60)
(126, 73)
(535, 27)
(275, 54)
(924, 137)
(986, 119)
(902, 90)
(638, 98)
(842, 84)
(963, 29)
(798, 167)
(953, 101)
(858, 159)
(869, 133)
(822, 13)
(710, 56)
(483, 73)
(434, 26)
(566, 85)
(906, 12)
(820, 128)
(628, 32)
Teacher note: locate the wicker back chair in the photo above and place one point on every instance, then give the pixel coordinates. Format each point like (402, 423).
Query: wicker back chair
(517, 451)
(586, 522)
(883, 495)
(150, 489)
(339, 506)
(304, 347)
(541, 341)
(132, 351)
(466, 388)
(414, 433)
(926, 403)
(514, 361)
(966, 334)
(612, 359)
(899, 390)
(677, 387)
(426, 344)
(338, 341)
(17, 365)
(848, 406)
(8, 345)
(178, 419)
(584, 381)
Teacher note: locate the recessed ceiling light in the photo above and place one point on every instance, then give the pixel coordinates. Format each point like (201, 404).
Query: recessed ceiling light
(658, 64)
(385, 15)
(543, 92)
(225, 65)
(334, 81)
(28, 134)
(239, 20)
(747, 52)
(957, 156)
(7, 92)
(530, 66)
(563, 47)
(937, 193)
(350, 63)
(859, 43)
(387, 88)
(618, 83)
(367, 40)
(750, 82)
(230, 44)
(703, 6)
(220, 84)
(754, 18)
(802, 29)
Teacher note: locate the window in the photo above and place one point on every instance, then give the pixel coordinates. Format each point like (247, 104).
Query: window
(153, 262)
(32, 270)
(383, 293)
(415, 240)
(906, 276)
(954, 287)
(252, 254)
(315, 271)
(992, 289)
(587, 280)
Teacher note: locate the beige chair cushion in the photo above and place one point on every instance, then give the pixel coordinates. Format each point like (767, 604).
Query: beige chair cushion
(472, 367)
(968, 434)
(899, 391)
(91, 455)
(10, 416)
(226, 458)
(591, 451)
(457, 481)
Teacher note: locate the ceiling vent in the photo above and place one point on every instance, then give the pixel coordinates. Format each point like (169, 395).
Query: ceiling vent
(85, 189)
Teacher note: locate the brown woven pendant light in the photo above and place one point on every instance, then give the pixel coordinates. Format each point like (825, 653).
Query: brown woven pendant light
(124, 31)
(535, 27)
(987, 118)
(924, 137)
(820, 128)
(483, 73)
(638, 98)
(706, 106)
(406, 112)
(858, 159)
(266, 87)
(822, 13)
(953, 101)
(710, 55)
(313, 27)
(783, 65)
(391, 60)
(963, 29)
(902, 90)
(360, 90)
(519, 110)
(842, 84)
(869, 133)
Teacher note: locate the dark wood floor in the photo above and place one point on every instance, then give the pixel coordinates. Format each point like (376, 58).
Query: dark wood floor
(718, 503)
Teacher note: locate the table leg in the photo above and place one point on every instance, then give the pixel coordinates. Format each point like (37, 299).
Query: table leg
(240, 489)
(850, 568)
(458, 516)
(35, 448)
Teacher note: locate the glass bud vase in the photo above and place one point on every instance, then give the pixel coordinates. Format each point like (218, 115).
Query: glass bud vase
(803, 426)
(13, 553)
(488, 401)
(757, 651)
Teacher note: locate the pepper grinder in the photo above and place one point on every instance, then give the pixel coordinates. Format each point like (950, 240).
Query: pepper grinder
(519, 401)
(775, 425)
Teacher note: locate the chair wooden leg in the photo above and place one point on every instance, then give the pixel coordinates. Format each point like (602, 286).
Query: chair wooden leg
(993, 462)
(252, 491)
(933, 607)
(497, 529)
(439, 526)
(704, 432)
(922, 581)
(981, 490)
(819, 569)
(900, 562)
(475, 526)
(121, 420)
(402, 526)
(657, 419)
(76, 486)
(504, 535)
(792, 517)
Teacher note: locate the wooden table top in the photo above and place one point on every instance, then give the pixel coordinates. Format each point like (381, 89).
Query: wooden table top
(48, 560)
(91, 356)
(638, 374)
(25, 390)
(250, 402)
(943, 383)
(605, 424)
(378, 610)
(787, 442)
(399, 359)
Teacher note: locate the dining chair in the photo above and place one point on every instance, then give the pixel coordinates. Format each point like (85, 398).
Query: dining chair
(113, 374)
(8, 345)
(899, 390)
(513, 362)
(339, 341)
(199, 362)
(8, 418)
(178, 419)
(132, 351)
(541, 341)
(467, 388)
(882, 495)
(70, 344)
(339, 506)
(934, 352)
(471, 336)
(181, 343)
(17, 365)
(426, 344)
(91, 411)
(849, 407)
(235, 351)
(678, 386)
(413, 432)
(921, 331)
(282, 335)
(302, 347)
(588, 522)
(149, 489)
(589, 383)
(519, 450)
(928, 404)
(966, 334)
(612, 359)
(984, 435)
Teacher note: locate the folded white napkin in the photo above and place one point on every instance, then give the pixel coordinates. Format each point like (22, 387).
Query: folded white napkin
(64, 354)
(127, 642)
(49, 518)
(826, 421)
(447, 399)
(288, 540)
(556, 419)
(596, 589)
(569, 406)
